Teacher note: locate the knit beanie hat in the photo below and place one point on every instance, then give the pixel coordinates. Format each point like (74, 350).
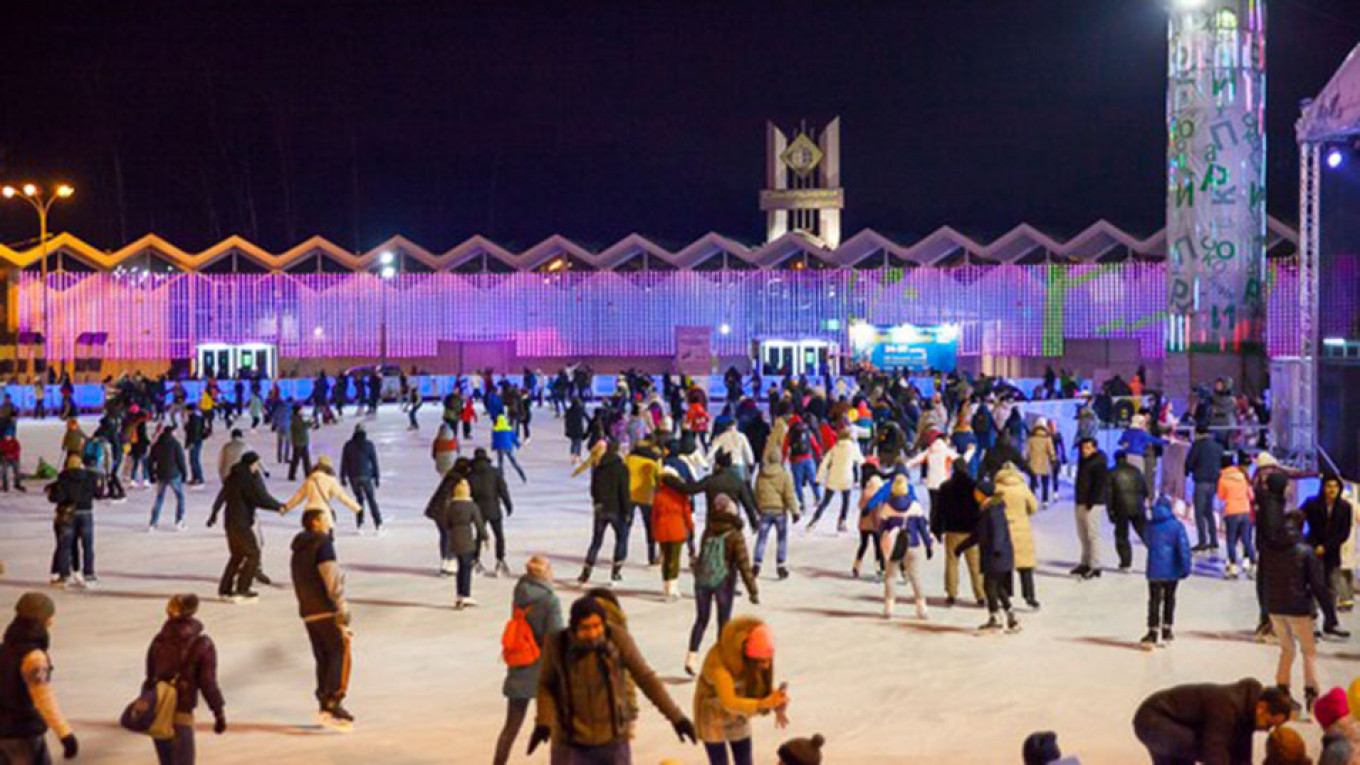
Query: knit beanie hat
(36, 606)
(1286, 747)
(461, 490)
(249, 458)
(900, 486)
(1331, 707)
(760, 643)
(802, 751)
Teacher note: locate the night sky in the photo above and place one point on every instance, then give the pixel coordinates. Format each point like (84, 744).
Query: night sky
(439, 120)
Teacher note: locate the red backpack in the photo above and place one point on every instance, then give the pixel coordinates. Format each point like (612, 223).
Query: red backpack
(518, 647)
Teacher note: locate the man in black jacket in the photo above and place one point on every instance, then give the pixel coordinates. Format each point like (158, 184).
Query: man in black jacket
(75, 489)
(1203, 464)
(243, 493)
(320, 590)
(1329, 526)
(953, 519)
(194, 436)
(490, 493)
(168, 467)
(1208, 723)
(725, 480)
(613, 503)
(359, 470)
(1090, 494)
(1128, 504)
(1293, 583)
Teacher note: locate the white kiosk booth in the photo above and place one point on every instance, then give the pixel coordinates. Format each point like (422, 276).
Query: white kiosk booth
(224, 361)
(779, 356)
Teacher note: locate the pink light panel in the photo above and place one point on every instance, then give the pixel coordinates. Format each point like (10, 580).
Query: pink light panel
(1003, 310)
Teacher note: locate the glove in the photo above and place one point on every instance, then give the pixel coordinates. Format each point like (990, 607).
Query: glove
(220, 726)
(540, 735)
(684, 729)
(69, 747)
(212, 522)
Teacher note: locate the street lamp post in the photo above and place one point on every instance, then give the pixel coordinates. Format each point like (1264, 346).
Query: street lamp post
(33, 195)
(386, 273)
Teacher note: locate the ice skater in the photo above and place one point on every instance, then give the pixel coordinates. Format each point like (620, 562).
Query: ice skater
(1168, 562)
(320, 589)
(993, 539)
(903, 528)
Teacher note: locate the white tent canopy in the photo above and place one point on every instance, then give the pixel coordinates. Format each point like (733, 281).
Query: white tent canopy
(1335, 113)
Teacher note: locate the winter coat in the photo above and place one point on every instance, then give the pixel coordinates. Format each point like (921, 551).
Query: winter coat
(181, 650)
(733, 442)
(1234, 489)
(1168, 546)
(1205, 460)
(1092, 476)
(1039, 451)
(1128, 491)
(992, 535)
(644, 468)
(774, 492)
(958, 509)
(317, 492)
(938, 459)
(503, 436)
(1328, 529)
(1271, 511)
(583, 693)
(461, 519)
(574, 421)
(723, 522)
(359, 460)
(230, 455)
(444, 449)
(242, 494)
(545, 617)
(76, 487)
(299, 433)
(489, 490)
(757, 432)
(609, 488)
(998, 456)
(730, 687)
(837, 471)
(727, 482)
(672, 511)
(1292, 579)
(1223, 717)
(1137, 441)
(167, 459)
(1020, 505)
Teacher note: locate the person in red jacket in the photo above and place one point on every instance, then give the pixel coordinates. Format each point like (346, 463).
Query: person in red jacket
(9, 462)
(672, 524)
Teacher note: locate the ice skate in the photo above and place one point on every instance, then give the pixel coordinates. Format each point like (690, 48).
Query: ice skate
(336, 718)
(782, 572)
(502, 568)
(1149, 640)
(616, 575)
(691, 663)
(921, 611)
(584, 578)
(1012, 623)
(1167, 635)
(991, 627)
(1230, 571)
(887, 609)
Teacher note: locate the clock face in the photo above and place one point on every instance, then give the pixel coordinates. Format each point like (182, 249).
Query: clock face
(802, 156)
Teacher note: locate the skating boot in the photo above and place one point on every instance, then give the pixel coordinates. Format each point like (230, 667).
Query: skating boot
(1012, 624)
(921, 611)
(854, 571)
(1230, 571)
(336, 717)
(616, 575)
(1149, 640)
(1167, 635)
(502, 568)
(783, 573)
(1091, 573)
(840, 527)
(887, 609)
(992, 627)
(263, 579)
(949, 602)
(1033, 604)
(1079, 571)
(479, 568)
(691, 663)
(584, 578)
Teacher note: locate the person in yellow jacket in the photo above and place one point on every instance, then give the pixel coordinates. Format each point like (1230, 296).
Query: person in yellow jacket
(644, 470)
(318, 490)
(736, 684)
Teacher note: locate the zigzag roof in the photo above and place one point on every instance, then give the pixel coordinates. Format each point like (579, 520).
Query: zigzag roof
(1088, 245)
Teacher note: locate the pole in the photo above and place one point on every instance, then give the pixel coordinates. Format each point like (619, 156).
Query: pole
(42, 294)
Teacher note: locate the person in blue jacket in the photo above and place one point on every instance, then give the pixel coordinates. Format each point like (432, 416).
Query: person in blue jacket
(504, 442)
(1136, 440)
(1168, 562)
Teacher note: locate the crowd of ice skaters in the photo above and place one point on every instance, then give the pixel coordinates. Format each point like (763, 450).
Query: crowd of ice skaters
(764, 460)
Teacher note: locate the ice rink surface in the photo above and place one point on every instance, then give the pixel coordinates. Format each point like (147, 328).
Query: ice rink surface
(426, 686)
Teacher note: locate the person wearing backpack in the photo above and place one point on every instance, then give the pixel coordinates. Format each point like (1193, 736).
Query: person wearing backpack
(184, 657)
(536, 613)
(1168, 562)
(722, 557)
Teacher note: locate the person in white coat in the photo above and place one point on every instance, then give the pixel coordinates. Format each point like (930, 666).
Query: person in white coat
(939, 459)
(837, 474)
(734, 442)
(317, 492)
